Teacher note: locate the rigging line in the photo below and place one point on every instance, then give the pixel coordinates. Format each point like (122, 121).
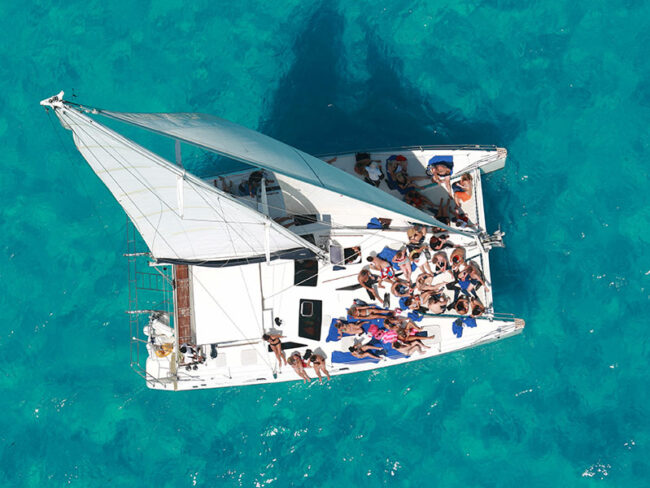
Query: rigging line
(78, 175)
(82, 131)
(331, 265)
(194, 277)
(149, 157)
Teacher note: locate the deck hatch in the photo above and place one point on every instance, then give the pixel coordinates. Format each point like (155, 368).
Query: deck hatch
(310, 319)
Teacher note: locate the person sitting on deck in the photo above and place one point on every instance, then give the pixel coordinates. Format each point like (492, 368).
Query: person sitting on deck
(351, 328)
(364, 167)
(401, 289)
(440, 263)
(254, 182)
(383, 266)
(402, 261)
(424, 283)
(367, 312)
(476, 275)
(463, 189)
(457, 260)
(276, 346)
(371, 283)
(298, 365)
(317, 361)
(416, 235)
(440, 242)
(396, 164)
(461, 305)
(440, 172)
(363, 351)
(476, 308)
(435, 302)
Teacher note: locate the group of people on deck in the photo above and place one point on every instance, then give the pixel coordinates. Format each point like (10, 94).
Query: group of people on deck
(310, 359)
(442, 272)
(428, 274)
(438, 172)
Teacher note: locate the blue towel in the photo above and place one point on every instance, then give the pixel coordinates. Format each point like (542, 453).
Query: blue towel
(346, 357)
(457, 326)
(469, 321)
(388, 254)
(374, 224)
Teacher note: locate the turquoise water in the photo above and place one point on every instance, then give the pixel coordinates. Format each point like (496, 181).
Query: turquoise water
(565, 86)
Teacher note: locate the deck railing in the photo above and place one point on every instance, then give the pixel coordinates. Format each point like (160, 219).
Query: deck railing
(150, 291)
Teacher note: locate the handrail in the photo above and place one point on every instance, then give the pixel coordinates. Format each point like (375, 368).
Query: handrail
(446, 147)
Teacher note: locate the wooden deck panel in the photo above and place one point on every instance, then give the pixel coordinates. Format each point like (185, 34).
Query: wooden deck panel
(183, 304)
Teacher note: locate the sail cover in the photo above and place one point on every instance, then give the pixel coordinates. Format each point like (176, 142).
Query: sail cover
(237, 142)
(181, 218)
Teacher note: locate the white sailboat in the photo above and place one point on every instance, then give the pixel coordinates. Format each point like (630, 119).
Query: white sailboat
(277, 249)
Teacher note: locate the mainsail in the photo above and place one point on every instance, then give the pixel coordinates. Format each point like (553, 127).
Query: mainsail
(237, 142)
(181, 218)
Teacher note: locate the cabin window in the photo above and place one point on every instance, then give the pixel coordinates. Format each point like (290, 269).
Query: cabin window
(305, 272)
(310, 314)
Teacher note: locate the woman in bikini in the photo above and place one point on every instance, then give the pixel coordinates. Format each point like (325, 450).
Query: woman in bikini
(276, 346)
(317, 361)
(363, 351)
(298, 365)
(463, 189)
(368, 312)
(407, 349)
(351, 328)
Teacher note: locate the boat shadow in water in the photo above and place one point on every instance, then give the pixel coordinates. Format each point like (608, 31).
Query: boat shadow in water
(316, 107)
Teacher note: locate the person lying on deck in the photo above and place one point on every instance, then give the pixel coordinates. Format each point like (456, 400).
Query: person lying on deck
(298, 365)
(384, 268)
(318, 363)
(405, 338)
(368, 312)
(371, 283)
(408, 348)
(363, 351)
(276, 346)
(419, 201)
(352, 328)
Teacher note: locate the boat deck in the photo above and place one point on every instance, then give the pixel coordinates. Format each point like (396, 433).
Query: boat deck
(233, 319)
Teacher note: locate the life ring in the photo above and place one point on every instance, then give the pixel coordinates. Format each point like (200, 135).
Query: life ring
(164, 350)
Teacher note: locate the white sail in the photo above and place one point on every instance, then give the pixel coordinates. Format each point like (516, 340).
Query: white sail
(180, 217)
(237, 142)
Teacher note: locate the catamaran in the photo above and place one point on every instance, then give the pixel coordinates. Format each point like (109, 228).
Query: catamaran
(277, 246)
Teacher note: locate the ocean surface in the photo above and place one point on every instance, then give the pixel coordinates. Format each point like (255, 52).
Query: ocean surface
(564, 85)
